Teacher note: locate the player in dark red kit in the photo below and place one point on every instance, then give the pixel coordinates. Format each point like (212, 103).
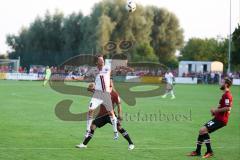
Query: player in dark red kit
(221, 115)
(103, 118)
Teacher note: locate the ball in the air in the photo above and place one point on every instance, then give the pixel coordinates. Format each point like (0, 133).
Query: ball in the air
(131, 6)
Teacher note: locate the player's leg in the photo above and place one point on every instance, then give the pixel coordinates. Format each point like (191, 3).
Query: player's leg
(172, 93)
(97, 123)
(167, 91)
(125, 135)
(204, 137)
(113, 119)
(90, 134)
(107, 102)
(94, 103)
(208, 128)
(45, 81)
(89, 119)
(200, 140)
(203, 132)
(88, 137)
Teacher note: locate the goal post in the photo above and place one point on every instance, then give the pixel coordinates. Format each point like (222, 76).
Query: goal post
(9, 65)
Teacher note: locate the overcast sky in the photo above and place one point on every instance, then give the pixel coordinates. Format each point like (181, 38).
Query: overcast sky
(198, 18)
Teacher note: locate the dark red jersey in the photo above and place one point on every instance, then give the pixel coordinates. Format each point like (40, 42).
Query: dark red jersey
(115, 100)
(225, 101)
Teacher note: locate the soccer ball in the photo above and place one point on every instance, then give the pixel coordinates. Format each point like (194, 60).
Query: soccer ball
(131, 6)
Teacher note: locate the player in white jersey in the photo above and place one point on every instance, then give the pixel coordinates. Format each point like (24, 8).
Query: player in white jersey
(169, 88)
(101, 93)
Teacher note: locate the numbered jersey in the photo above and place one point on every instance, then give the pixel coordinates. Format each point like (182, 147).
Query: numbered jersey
(100, 77)
(225, 101)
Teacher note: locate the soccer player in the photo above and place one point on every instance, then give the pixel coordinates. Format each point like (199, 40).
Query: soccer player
(101, 94)
(48, 73)
(103, 118)
(169, 88)
(221, 115)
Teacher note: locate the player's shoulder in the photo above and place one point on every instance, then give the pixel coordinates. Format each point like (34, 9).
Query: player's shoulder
(228, 94)
(114, 94)
(106, 68)
(93, 70)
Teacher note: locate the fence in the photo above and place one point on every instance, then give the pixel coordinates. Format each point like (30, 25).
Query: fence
(144, 79)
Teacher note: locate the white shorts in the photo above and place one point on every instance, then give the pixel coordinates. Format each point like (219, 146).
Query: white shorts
(99, 98)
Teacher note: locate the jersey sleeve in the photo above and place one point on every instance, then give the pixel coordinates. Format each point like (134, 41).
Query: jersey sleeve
(108, 68)
(228, 100)
(90, 75)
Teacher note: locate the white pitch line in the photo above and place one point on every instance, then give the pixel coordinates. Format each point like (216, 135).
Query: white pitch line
(137, 148)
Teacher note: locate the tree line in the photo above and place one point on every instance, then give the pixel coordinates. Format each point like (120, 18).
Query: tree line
(155, 33)
(213, 49)
(49, 40)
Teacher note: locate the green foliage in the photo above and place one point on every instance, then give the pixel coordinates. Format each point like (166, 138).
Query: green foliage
(212, 49)
(3, 56)
(54, 38)
(166, 34)
(197, 49)
(144, 52)
(236, 48)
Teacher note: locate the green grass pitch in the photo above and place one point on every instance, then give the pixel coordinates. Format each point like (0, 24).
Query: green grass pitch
(29, 129)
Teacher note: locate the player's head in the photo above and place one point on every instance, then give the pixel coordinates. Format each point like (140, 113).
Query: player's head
(226, 84)
(100, 61)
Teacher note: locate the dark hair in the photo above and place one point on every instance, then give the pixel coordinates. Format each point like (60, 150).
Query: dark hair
(98, 56)
(228, 81)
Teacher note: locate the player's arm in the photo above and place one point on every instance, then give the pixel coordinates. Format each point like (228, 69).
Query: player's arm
(89, 76)
(111, 84)
(220, 110)
(224, 109)
(120, 115)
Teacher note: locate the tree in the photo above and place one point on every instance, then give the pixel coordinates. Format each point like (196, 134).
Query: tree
(3, 56)
(166, 35)
(73, 34)
(197, 49)
(236, 48)
(104, 31)
(144, 52)
(52, 39)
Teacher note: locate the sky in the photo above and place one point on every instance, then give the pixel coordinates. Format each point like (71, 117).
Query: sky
(198, 18)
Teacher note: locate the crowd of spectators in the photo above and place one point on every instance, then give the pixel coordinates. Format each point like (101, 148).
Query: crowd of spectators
(4, 69)
(211, 77)
(203, 77)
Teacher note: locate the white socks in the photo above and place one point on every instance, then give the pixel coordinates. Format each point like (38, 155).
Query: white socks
(114, 123)
(89, 122)
(172, 94)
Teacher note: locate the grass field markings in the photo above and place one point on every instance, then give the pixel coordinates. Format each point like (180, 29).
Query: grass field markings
(137, 148)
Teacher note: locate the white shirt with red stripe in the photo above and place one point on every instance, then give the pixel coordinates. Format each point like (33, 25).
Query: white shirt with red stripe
(102, 79)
